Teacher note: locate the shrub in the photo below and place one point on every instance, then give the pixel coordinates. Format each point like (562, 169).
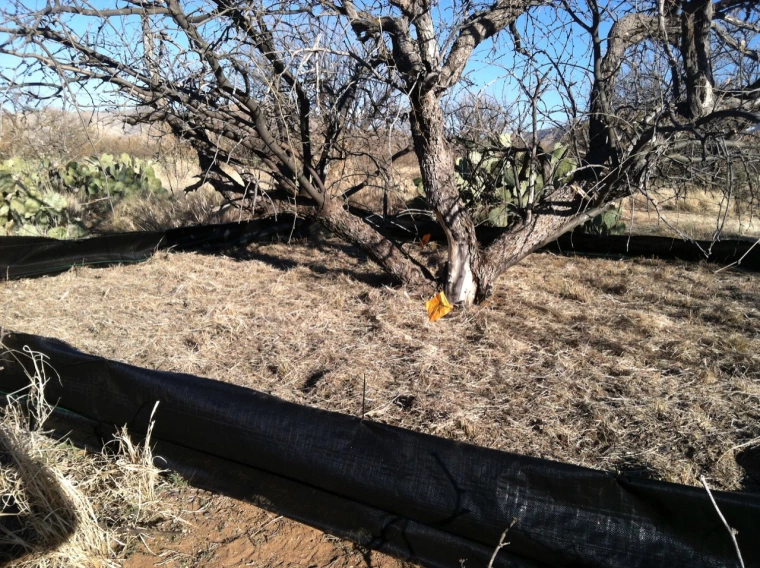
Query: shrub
(65, 506)
(108, 177)
(37, 195)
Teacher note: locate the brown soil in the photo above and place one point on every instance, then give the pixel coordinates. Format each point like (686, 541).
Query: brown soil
(641, 366)
(224, 533)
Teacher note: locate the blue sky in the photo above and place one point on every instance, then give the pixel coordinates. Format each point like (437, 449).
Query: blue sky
(492, 79)
(497, 76)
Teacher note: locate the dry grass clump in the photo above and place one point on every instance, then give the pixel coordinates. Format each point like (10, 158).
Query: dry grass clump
(61, 506)
(641, 366)
(397, 185)
(201, 207)
(177, 172)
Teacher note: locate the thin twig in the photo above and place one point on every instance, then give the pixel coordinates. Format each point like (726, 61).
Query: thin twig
(262, 527)
(502, 544)
(739, 447)
(731, 531)
(737, 262)
(364, 395)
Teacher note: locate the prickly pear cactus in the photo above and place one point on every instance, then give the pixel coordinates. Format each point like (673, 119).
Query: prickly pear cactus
(29, 207)
(496, 182)
(33, 194)
(109, 176)
(607, 223)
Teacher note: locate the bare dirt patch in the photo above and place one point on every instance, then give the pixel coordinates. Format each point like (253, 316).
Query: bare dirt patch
(642, 366)
(223, 532)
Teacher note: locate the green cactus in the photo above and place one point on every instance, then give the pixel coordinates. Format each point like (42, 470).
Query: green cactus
(606, 223)
(32, 194)
(107, 176)
(495, 181)
(28, 206)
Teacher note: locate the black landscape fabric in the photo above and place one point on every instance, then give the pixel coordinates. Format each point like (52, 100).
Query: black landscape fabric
(745, 252)
(437, 502)
(27, 257)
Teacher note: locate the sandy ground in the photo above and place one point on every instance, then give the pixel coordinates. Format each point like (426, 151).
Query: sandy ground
(225, 533)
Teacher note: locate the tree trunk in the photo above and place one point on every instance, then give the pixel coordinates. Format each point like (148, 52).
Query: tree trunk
(439, 180)
(696, 20)
(601, 145)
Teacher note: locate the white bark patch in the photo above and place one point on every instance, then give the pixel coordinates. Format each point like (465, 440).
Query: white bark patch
(460, 284)
(460, 288)
(709, 97)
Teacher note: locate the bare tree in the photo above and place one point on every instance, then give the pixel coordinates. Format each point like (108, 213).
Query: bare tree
(282, 92)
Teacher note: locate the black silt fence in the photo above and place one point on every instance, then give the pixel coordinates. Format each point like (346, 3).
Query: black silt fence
(434, 501)
(27, 257)
(723, 252)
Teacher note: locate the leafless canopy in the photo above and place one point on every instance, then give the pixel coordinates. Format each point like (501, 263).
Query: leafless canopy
(642, 94)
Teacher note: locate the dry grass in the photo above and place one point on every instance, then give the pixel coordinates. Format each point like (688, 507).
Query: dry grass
(177, 173)
(399, 195)
(637, 365)
(399, 187)
(201, 207)
(697, 215)
(63, 506)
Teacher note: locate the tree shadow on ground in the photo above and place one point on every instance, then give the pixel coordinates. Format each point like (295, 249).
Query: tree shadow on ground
(372, 276)
(749, 461)
(31, 532)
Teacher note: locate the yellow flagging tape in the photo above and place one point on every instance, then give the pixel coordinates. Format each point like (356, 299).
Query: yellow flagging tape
(438, 306)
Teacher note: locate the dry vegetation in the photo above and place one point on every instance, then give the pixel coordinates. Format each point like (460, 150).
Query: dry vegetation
(63, 506)
(202, 207)
(637, 365)
(65, 136)
(70, 135)
(642, 366)
(695, 214)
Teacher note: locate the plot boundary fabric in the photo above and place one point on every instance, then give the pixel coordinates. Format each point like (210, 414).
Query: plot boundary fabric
(28, 257)
(428, 499)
